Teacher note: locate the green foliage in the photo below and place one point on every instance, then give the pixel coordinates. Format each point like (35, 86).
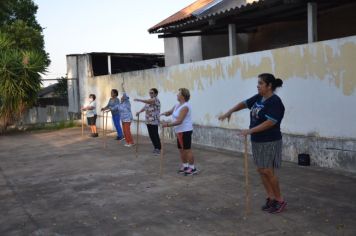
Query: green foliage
(13, 10)
(61, 88)
(22, 58)
(20, 80)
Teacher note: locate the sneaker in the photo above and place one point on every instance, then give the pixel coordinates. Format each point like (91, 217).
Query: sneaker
(191, 171)
(277, 207)
(94, 135)
(268, 205)
(120, 138)
(182, 170)
(128, 145)
(156, 152)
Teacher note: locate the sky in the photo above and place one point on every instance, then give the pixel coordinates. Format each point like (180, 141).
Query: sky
(80, 26)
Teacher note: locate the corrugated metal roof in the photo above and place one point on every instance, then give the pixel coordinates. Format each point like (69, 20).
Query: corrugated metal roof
(225, 8)
(183, 14)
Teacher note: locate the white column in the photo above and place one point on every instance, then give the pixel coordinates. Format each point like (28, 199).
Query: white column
(232, 40)
(109, 65)
(180, 50)
(312, 22)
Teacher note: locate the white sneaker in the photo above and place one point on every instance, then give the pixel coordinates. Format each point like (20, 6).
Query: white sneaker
(128, 145)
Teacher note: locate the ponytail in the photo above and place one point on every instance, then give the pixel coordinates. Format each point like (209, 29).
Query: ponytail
(270, 79)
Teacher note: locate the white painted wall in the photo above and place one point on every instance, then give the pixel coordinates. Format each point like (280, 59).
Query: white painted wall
(319, 90)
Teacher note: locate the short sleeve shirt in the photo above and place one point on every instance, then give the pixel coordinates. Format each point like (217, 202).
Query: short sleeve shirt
(152, 112)
(261, 110)
(112, 103)
(91, 113)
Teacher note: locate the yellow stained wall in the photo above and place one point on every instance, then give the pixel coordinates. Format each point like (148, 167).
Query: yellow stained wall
(332, 61)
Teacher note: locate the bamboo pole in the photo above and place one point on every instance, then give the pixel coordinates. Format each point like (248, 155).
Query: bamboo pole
(247, 187)
(137, 133)
(82, 116)
(162, 153)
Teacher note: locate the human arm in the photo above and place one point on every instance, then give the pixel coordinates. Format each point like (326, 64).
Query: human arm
(182, 114)
(236, 108)
(167, 113)
(142, 110)
(106, 107)
(147, 101)
(259, 128)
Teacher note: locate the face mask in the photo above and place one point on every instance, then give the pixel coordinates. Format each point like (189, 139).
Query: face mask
(90, 100)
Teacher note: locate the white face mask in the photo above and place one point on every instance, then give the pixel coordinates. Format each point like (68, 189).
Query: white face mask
(90, 100)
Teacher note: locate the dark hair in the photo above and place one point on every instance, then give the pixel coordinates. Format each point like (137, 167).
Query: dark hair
(115, 92)
(270, 79)
(185, 93)
(155, 91)
(92, 96)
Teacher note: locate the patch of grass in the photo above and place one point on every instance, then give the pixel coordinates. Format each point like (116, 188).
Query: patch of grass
(43, 127)
(53, 126)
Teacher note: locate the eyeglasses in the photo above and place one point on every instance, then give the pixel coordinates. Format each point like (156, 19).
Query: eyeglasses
(152, 93)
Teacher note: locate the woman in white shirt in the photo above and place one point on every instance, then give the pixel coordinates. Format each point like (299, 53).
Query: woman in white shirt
(91, 114)
(183, 127)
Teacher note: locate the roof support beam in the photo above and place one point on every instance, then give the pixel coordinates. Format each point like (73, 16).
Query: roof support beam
(180, 50)
(109, 64)
(312, 22)
(232, 39)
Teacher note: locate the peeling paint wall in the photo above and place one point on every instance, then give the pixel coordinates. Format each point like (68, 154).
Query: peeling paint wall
(319, 90)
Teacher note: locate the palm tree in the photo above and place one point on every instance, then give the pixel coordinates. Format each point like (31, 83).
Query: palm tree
(20, 80)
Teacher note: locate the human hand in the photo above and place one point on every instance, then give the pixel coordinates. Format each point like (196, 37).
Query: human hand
(246, 132)
(164, 124)
(225, 116)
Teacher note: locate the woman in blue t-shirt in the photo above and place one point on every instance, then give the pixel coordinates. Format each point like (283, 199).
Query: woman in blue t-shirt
(266, 114)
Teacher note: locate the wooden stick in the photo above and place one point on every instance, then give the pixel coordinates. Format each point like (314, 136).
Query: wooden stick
(105, 129)
(103, 118)
(82, 124)
(137, 133)
(247, 187)
(162, 152)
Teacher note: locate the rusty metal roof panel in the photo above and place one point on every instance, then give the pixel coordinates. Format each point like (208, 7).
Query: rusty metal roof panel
(221, 10)
(183, 14)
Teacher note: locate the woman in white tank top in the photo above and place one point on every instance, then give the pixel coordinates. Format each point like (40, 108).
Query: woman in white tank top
(183, 127)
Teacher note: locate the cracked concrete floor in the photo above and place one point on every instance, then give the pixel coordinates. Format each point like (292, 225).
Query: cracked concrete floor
(57, 183)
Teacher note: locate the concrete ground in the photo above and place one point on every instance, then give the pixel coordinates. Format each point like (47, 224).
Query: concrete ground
(57, 183)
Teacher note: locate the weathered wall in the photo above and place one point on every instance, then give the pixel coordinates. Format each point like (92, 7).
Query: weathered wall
(318, 92)
(48, 114)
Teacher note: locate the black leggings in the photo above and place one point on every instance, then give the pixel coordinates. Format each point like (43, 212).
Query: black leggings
(154, 136)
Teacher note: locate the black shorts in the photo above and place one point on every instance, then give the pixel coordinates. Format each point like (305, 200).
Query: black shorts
(184, 140)
(92, 120)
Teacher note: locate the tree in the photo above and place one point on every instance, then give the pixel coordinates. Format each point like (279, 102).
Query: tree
(61, 88)
(22, 58)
